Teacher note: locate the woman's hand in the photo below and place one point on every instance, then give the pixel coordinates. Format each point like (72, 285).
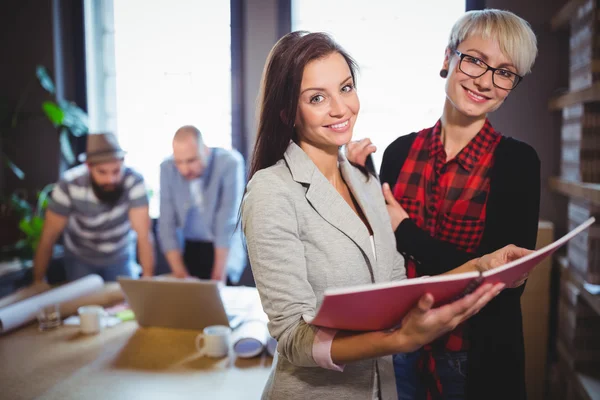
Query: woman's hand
(422, 325)
(500, 257)
(395, 210)
(503, 256)
(358, 151)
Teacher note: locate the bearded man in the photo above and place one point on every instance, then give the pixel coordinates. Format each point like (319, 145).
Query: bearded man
(101, 209)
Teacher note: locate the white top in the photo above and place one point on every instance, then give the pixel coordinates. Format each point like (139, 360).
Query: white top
(196, 192)
(373, 246)
(375, 385)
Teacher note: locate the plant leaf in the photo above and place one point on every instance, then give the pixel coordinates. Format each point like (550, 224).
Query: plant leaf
(54, 113)
(36, 224)
(20, 206)
(25, 226)
(65, 147)
(16, 170)
(44, 78)
(35, 243)
(75, 118)
(42, 202)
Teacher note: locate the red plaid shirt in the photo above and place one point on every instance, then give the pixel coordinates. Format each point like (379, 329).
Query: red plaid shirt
(447, 199)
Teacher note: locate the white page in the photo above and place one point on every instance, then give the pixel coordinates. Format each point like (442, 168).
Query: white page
(544, 251)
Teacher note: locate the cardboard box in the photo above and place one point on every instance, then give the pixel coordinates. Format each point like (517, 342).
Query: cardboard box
(535, 306)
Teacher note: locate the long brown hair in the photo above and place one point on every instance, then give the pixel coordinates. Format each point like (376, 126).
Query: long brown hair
(280, 90)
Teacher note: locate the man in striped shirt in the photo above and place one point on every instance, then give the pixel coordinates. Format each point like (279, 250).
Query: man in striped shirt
(99, 207)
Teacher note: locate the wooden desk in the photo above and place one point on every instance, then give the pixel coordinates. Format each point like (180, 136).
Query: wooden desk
(123, 362)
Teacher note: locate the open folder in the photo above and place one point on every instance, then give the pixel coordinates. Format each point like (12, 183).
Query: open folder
(382, 306)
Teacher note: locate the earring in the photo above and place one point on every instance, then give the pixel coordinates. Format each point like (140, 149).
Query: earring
(443, 72)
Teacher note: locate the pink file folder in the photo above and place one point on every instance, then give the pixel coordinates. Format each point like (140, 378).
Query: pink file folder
(382, 306)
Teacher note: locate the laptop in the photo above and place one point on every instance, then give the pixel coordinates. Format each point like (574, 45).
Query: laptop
(176, 303)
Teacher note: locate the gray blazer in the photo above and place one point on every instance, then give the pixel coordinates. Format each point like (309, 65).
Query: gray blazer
(303, 238)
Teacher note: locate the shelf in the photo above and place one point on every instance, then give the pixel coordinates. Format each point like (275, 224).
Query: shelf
(587, 191)
(592, 300)
(588, 95)
(563, 16)
(587, 387)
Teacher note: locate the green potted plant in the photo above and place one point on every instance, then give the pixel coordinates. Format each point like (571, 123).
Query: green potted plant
(70, 122)
(31, 222)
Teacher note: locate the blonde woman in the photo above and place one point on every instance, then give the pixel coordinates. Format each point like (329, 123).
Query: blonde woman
(459, 190)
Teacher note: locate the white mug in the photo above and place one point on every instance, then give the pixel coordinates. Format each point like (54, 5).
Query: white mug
(91, 319)
(216, 341)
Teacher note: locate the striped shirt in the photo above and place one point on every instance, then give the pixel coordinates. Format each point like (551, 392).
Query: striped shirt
(97, 233)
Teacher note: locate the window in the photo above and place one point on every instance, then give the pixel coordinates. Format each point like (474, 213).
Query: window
(400, 50)
(172, 68)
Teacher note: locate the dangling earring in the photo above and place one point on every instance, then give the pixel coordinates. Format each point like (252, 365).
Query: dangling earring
(443, 72)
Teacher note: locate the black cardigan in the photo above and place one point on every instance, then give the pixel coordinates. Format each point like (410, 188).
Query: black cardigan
(496, 357)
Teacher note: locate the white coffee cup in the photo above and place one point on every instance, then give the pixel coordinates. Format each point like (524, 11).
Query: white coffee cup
(214, 341)
(91, 319)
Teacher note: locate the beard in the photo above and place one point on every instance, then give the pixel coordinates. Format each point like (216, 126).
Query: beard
(107, 194)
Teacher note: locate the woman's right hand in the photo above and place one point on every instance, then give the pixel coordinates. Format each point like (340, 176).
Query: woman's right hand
(422, 325)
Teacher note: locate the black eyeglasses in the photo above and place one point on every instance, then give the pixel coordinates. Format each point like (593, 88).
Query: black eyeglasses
(474, 67)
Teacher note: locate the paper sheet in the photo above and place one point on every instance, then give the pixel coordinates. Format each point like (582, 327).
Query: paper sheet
(24, 293)
(108, 295)
(24, 311)
(107, 322)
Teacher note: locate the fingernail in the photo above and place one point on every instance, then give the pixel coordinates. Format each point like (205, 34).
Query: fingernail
(499, 290)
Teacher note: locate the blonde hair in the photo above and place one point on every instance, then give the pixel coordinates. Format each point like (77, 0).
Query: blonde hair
(514, 35)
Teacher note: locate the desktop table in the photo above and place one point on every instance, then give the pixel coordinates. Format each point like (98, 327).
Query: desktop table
(122, 362)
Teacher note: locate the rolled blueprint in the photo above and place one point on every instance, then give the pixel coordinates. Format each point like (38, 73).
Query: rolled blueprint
(250, 339)
(25, 311)
(24, 293)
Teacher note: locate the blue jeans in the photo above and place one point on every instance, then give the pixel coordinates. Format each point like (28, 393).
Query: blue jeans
(407, 379)
(451, 367)
(75, 269)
